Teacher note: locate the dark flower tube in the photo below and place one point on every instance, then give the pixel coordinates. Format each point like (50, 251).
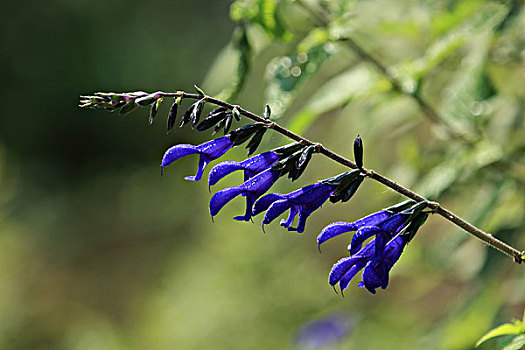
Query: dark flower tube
(376, 269)
(208, 152)
(251, 189)
(303, 202)
(251, 167)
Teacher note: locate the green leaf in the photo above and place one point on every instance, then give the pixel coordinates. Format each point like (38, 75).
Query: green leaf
(504, 329)
(357, 82)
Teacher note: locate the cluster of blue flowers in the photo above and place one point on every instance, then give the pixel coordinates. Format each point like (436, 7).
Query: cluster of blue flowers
(391, 228)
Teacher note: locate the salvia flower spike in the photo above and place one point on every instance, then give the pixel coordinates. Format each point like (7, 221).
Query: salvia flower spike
(387, 231)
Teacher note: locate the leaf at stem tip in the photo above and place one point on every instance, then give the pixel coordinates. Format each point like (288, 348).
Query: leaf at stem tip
(267, 112)
(199, 90)
(358, 152)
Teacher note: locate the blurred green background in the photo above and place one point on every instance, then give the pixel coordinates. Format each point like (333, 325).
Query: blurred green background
(97, 251)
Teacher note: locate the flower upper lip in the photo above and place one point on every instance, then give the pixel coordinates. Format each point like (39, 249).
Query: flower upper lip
(208, 152)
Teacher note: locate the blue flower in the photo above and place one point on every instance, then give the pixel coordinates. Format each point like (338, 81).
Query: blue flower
(376, 265)
(251, 166)
(251, 189)
(324, 332)
(303, 202)
(382, 221)
(376, 272)
(208, 151)
(393, 228)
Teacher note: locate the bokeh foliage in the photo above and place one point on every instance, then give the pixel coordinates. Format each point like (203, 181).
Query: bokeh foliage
(98, 251)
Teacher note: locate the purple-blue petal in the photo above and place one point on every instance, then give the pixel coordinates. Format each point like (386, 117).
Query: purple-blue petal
(340, 268)
(221, 170)
(264, 202)
(219, 199)
(294, 210)
(347, 277)
(203, 161)
(304, 213)
(393, 249)
(381, 240)
(249, 204)
(176, 152)
(361, 235)
(373, 219)
(262, 182)
(333, 230)
(276, 209)
(260, 162)
(253, 188)
(394, 224)
(375, 275)
(312, 195)
(216, 147)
